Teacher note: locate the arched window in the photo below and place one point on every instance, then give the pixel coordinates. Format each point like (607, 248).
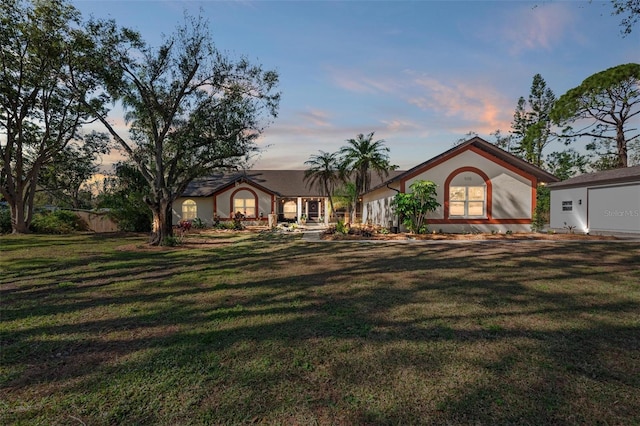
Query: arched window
(189, 210)
(245, 203)
(468, 194)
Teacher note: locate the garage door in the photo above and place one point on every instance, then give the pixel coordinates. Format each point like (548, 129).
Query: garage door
(615, 208)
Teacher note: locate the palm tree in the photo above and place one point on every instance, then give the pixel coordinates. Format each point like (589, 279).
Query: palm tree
(361, 156)
(323, 172)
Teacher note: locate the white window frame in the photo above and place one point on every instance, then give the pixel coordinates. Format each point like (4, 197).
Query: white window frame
(467, 201)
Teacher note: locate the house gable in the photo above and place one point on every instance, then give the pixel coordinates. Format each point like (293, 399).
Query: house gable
(504, 187)
(484, 149)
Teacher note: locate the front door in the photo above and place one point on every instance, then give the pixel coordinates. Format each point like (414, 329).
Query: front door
(313, 210)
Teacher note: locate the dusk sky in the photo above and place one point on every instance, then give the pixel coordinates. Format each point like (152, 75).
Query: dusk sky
(419, 74)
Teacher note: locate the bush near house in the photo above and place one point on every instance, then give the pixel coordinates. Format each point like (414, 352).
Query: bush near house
(57, 222)
(5, 220)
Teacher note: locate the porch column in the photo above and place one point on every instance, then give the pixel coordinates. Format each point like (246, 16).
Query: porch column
(326, 211)
(299, 211)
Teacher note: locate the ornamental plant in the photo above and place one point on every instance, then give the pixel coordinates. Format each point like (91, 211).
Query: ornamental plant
(414, 206)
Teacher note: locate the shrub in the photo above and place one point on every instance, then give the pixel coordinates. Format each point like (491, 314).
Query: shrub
(184, 225)
(223, 225)
(413, 207)
(5, 220)
(341, 227)
(198, 223)
(173, 241)
(57, 222)
(541, 212)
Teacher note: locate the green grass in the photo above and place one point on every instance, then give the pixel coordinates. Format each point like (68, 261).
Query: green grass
(101, 330)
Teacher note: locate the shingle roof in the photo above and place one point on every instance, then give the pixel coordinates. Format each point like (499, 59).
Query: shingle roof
(283, 183)
(625, 174)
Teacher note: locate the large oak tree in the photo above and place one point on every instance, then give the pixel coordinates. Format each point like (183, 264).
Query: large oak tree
(40, 117)
(191, 109)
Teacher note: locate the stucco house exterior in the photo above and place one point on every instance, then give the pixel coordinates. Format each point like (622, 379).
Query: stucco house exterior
(255, 194)
(607, 201)
(481, 188)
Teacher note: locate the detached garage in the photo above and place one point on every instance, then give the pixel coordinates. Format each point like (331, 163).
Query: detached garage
(606, 201)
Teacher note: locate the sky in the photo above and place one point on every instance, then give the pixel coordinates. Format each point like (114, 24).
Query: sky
(420, 74)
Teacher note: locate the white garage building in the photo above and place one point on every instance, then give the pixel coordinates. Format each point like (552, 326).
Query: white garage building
(606, 201)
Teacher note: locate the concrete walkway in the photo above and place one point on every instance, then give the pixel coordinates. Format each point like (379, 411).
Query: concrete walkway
(311, 236)
(312, 231)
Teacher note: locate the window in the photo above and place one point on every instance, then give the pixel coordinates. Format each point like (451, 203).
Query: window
(189, 210)
(290, 210)
(567, 206)
(466, 201)
(245, 203)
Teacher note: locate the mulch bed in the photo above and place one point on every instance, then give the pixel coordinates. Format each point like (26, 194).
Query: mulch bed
(464, 237)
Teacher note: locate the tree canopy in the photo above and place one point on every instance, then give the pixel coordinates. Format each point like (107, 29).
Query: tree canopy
(324, 172)
(531, 123)
(63, 179)
(603, 106)
(363, 155)
(191, 109)
(41, 43)
(630, 11)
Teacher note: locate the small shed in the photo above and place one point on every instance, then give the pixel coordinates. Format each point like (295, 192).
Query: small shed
(606, 201)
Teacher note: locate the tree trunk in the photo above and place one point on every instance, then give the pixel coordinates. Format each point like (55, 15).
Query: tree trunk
(161, 226)
(622, 147)
(326, 190)
(19, 224)
(20, 199)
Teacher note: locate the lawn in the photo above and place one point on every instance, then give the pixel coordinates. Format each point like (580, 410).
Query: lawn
(98, 330)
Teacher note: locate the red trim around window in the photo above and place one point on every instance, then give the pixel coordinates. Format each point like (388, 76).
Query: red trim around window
(489, 157)
(255, 197)
(488, 198)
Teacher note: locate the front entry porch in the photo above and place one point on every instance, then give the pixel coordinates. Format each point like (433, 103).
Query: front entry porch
(301, 209)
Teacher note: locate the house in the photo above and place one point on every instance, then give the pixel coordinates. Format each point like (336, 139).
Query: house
(481, 188)
(606, 201)
(255, 194)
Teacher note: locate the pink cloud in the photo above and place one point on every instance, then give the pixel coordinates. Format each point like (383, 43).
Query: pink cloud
(482, 106)
(479, 105)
